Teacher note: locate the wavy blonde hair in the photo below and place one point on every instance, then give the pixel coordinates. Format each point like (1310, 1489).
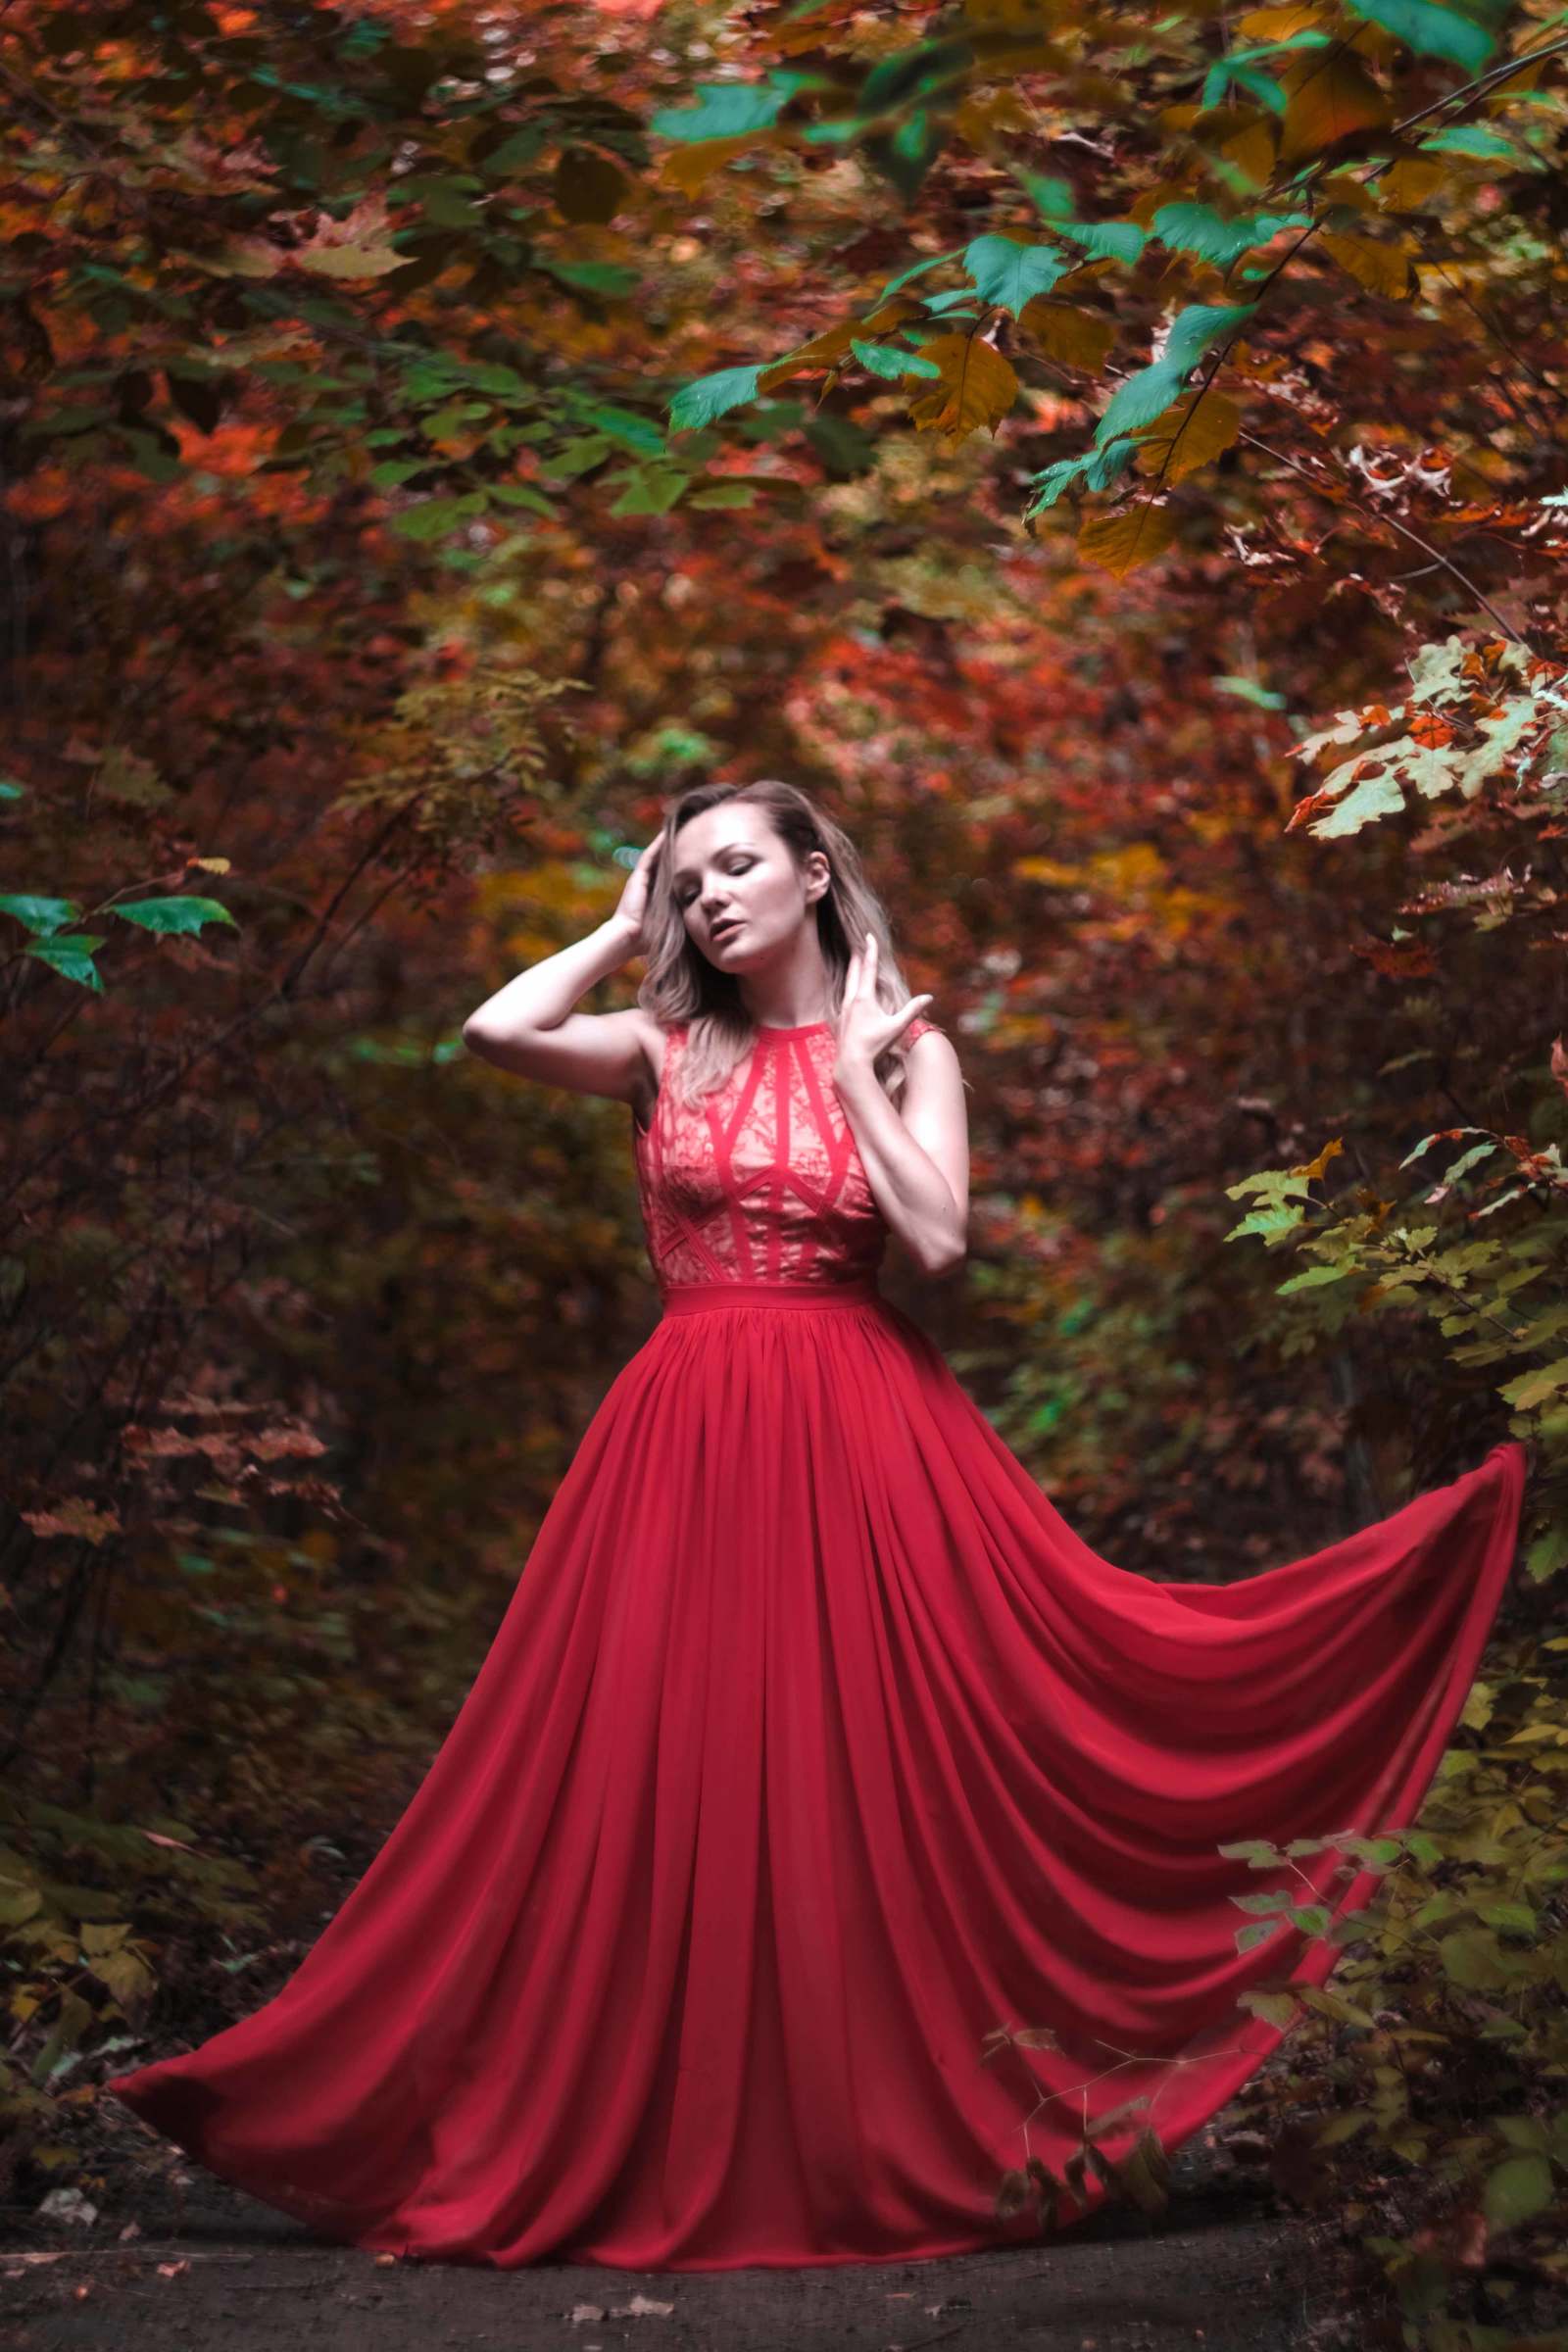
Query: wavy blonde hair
(680, 985)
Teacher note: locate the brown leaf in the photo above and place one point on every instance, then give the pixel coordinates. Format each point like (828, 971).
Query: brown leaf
(1119, 542)
(1331, 97)
(977, 387)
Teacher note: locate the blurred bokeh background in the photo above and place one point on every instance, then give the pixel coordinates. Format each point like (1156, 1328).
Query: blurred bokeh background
(432, 437)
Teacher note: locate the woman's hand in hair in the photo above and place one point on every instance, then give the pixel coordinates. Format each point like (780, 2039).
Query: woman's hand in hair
(631, 914)
(865, 1027)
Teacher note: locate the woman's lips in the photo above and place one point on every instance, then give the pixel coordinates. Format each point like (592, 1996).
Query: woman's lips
(725, 931)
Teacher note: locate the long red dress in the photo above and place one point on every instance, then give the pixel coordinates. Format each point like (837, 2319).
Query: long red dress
(814, 1747)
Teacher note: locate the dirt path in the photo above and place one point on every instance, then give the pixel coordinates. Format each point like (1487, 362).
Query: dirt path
(1225, 2270)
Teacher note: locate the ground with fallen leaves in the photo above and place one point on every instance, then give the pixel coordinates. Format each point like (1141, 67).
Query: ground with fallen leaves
(173, 2259)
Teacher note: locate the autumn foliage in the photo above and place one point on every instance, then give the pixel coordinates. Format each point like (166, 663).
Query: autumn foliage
(1118, 459)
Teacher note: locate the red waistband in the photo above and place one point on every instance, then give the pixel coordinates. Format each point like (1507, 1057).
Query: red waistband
(703, 1298)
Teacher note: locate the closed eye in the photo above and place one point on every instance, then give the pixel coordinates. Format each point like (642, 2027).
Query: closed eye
(729, 869)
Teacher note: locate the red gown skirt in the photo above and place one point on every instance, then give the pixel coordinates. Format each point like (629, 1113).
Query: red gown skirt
(814, 1747)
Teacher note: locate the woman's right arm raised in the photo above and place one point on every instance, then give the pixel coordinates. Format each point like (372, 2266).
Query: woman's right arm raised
(530, 1025)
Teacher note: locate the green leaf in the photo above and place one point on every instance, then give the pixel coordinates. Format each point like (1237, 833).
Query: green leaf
(650, 489)
(905, 157)
(1241, 64)
(913, 73)
(1471, 1958)
(1547, 1554)
(1344, 2125)
(1109, 240)
(1096, 470)
(521, 494)
(1248, 690)
(1313, 1279)
(1138, 399)
(1533, 1387)
(1375, 797)
(1009, 274)
(181, 914)
(886, 360)
(1269, 1222)
(724, 110)
(708, 396)
(640, 434)
(1150, 392)
(42, 915)
(1197, 330)
(1274, 2008)
(1052, 198)
(432, 517)
(71, 957)
(1517, 2191)
(61, 422)
(1198, 228)
(516, 151)
(1468, 138)
(1512, 1916)
(1430, 32)
(10, 791)
(610, 279)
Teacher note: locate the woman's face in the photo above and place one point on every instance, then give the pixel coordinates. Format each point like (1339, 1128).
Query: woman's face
(740, 894)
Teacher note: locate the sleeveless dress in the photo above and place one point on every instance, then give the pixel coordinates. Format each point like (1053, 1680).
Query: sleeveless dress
(815, 1757)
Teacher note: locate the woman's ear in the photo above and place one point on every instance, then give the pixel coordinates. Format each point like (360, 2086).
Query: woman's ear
(818, 876)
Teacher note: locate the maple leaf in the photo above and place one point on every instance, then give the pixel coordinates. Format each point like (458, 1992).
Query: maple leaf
(359, 245)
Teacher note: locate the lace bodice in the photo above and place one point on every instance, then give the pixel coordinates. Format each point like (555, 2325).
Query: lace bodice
(762, 1180)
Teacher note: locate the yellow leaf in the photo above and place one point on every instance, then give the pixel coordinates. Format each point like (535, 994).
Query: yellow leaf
(1330, 96)
(1075, 338)
(1312, 1169)
(825, 350)
(350, 261)
(686, 167)
(1251, 151)
(979, 120)
(1147, 203)
(888, 314)
(1119, 542)
(241, 257)
(1278, 23)
(1034, 57)
(976, 389)
(1198, 428)
(1047, 870)
(97, 1937)
(1381, 268)
(211, 865)
(1410, 182)
(1343, 187)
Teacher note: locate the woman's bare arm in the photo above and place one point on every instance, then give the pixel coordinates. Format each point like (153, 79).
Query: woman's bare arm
(530, 1025)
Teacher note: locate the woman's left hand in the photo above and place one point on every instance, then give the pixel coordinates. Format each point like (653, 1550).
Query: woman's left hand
(865, 1027)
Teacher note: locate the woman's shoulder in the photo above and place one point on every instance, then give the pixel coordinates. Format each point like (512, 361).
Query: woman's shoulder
(662, 1040)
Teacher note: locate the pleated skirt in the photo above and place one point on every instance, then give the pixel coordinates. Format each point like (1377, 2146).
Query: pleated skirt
(816, 1756)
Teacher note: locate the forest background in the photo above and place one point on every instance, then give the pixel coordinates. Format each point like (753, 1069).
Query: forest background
(1119, 460)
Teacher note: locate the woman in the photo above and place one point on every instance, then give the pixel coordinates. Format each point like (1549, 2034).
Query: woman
(828, 1829)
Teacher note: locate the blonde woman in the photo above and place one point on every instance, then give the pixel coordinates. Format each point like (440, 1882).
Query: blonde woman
(829, 1830)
